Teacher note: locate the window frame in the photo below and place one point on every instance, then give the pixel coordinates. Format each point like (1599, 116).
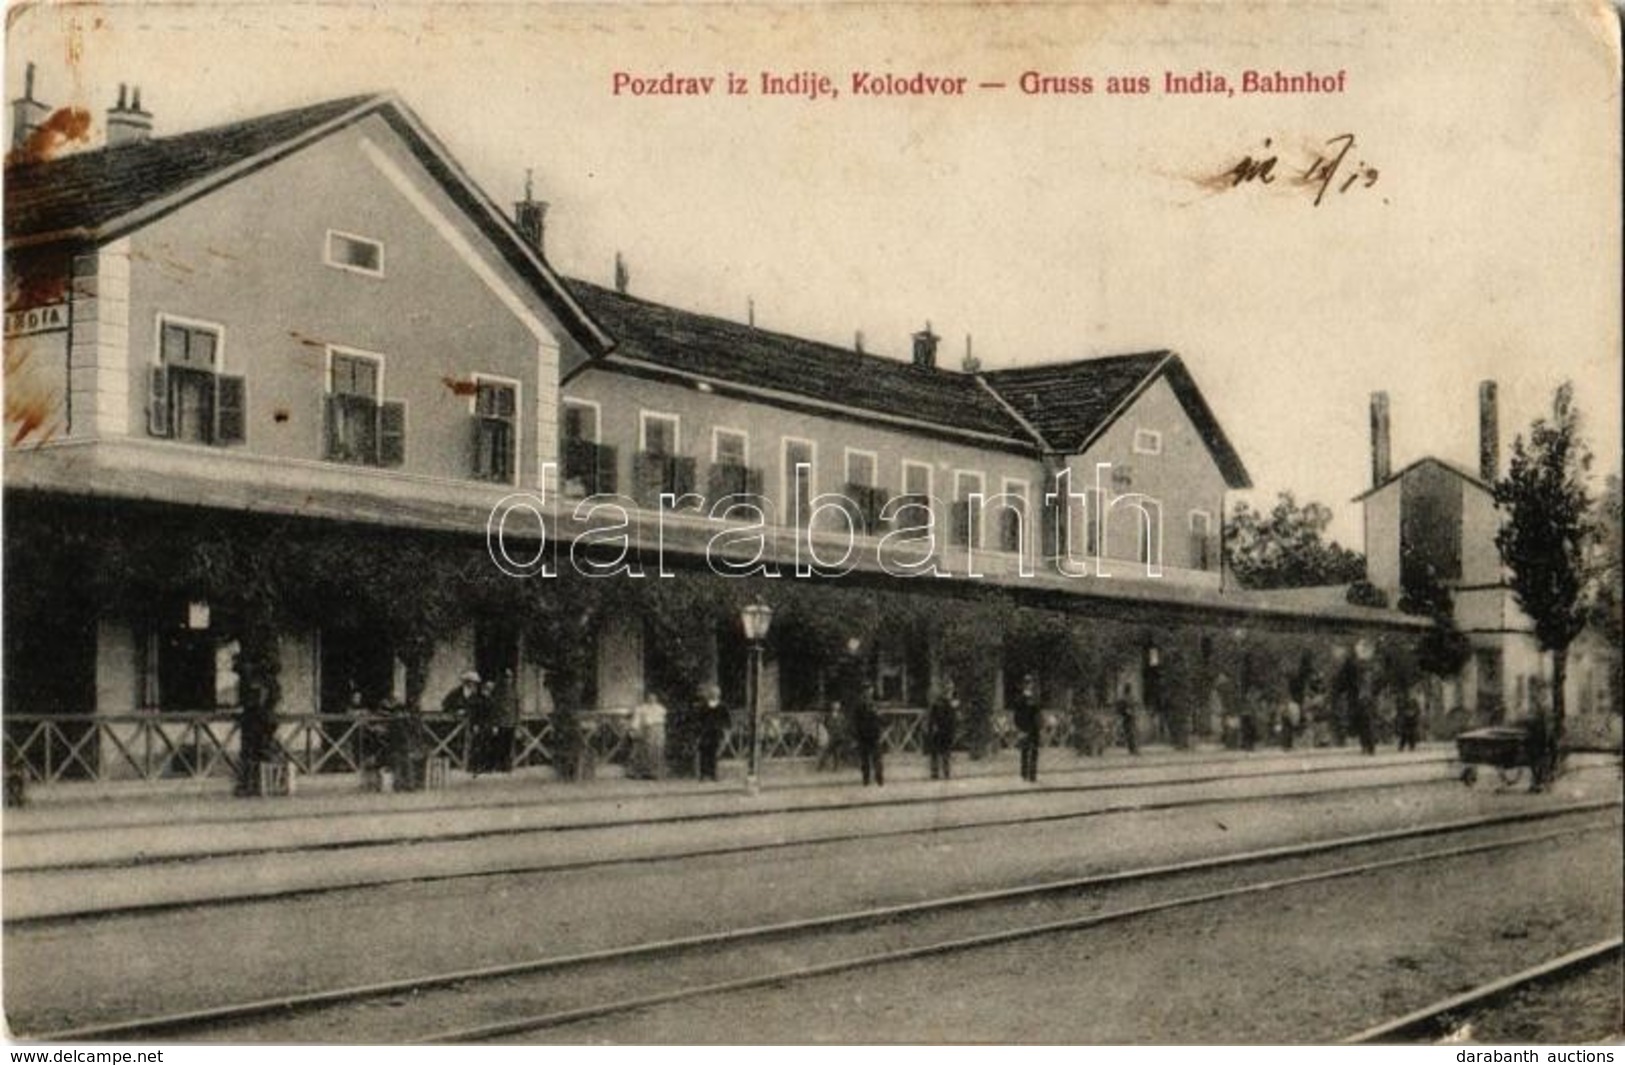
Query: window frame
(352, 268)
(597, 417)
(517, 421)
(974, 532)
(1025, 495)
(1148, 533)
(377, 357)
(163, 319)
(1204, 565)
(874, 466)
(596, 439)
(786, 477)
(1095, 521)
(645, 416)
(930, 474)
(717, 433)
(1147, 441)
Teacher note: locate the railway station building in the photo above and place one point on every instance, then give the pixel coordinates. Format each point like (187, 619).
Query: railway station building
(272, 385)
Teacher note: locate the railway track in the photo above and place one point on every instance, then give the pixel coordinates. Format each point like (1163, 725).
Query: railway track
(260, 889)
(1440, 1019)
(734, 812)
(590, 985)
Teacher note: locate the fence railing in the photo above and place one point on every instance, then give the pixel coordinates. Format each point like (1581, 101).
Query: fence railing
(53, 748)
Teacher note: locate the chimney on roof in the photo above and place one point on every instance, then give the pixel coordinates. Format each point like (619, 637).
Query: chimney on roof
(925, 348)
(750, 311)
(530, 218)
(1489, 432)
(126, 122)
(623, 276)
(27, 113)
(1382, 462)
(857, 341)
(971, 363)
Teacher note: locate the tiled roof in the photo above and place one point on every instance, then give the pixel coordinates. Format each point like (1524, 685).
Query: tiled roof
(1450, 467)
(1070, 402)
(88, 190)
(1066, 404)
(102, 194)
(728, 352)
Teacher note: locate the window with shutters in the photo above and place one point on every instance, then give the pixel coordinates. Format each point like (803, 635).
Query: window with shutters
(1094, 520)
(913, 510)
(496, 429)
(361, 426)
(188, 398)
(731, 473)
(797, 472)
(1148, 532)
(865, 499)
(1013, 515)
(658, 468)
(589, 467)
(1203, 549)
(730, 447)
(967, 515)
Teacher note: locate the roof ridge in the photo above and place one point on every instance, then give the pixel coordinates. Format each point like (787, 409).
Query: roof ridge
(348, 103)
(1010, 409)
(941, 373)
(1085, 360)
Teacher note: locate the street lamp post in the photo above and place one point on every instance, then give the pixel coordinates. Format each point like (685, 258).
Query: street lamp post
(755, 619)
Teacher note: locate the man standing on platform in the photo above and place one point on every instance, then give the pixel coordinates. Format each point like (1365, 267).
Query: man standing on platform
(1029, 722)
(709, 721)
(939, 730)
(466, 702)
(858, 705)
(1125, 720)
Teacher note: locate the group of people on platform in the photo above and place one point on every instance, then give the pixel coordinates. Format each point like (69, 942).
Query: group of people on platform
(1313, 711)
(490, 709)
(688, 740)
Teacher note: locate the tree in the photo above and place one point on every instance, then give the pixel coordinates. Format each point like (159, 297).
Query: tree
(1286, 549)
(1546, 529)
(1606, 615)
(1443, 649)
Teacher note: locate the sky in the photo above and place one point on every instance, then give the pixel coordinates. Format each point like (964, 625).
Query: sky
(1479, 239)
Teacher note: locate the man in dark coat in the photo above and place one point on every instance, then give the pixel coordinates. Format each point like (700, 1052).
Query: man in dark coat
(939, 730)
(1029, 721)
(1539, 749)
(504, 722)
(1357, 681)
(1125, 720)
(858, 705)
(708, 721)
(469, 703)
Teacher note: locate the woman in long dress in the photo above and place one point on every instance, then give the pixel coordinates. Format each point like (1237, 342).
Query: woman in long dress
(648, 761)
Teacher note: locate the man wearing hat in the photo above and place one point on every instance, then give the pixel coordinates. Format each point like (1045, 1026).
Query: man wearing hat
(467, 702)
(1029, 720)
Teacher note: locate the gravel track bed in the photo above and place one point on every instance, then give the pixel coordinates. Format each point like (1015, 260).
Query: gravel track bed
(1309, 964)
(60, 976)
(1586, 1007)
(422, 1013)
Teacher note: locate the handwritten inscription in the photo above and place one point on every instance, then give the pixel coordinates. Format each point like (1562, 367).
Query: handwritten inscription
(1332, 169)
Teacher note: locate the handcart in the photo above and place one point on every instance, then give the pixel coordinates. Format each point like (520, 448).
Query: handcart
(1505, 748)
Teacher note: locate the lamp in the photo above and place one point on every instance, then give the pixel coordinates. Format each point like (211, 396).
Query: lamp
(755, 619)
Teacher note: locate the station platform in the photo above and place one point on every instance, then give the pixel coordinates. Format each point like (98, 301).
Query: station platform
(68, 856)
